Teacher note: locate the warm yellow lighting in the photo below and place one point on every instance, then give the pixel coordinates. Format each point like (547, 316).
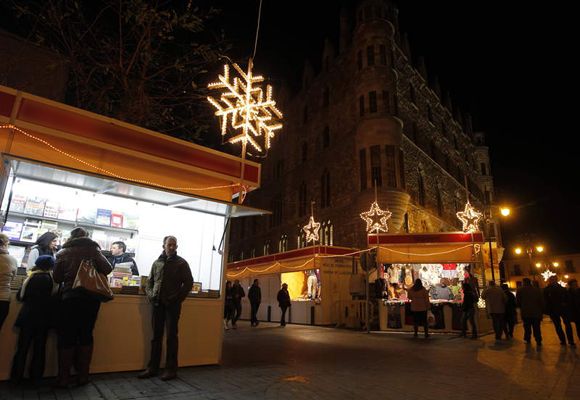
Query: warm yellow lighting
(469, 217)
(538, 265)
(540, 248)
(311, 230)
(518, 250)
(505, 211)
(253, 115)
(566, 276)
(376, 219)
(556, 264)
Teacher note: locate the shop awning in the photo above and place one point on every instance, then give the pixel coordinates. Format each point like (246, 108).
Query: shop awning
(293, 260)
(56, 134)
(442, 247)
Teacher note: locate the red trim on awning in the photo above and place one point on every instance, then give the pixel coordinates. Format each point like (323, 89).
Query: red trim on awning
(418, 238)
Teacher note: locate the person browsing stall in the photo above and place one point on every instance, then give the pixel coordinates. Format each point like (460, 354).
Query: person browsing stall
(118, 256)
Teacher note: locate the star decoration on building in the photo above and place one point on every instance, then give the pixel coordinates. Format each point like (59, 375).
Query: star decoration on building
(253, 117)
(376, 218)
(469, 217)
(547, 274)
(311, 230)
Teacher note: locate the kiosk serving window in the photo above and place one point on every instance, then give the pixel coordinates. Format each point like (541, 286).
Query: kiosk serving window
(39, 198)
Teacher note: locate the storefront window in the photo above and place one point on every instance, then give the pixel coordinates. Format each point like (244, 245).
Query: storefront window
(303, 285)
(43, 199)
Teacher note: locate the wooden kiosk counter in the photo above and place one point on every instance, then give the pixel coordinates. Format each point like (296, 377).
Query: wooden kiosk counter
(63, 167)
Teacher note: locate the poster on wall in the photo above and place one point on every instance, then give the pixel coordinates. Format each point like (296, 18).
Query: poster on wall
(30, 230)
(103, 217)
(34, 206)
(12, 230)
(18, 203)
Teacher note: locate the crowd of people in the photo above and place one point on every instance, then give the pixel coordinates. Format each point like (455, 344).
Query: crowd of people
(51, 299)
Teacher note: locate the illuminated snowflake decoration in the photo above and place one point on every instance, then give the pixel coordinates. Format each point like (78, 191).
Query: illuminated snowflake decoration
(311, 230)
(547, 274)
(254, 117)
(469, 217)
(376, 219)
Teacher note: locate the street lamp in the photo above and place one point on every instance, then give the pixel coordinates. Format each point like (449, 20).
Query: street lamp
(530, 250)
(491, 220)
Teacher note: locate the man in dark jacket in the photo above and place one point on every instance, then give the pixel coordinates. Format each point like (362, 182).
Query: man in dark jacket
(510, 312)
(118, 256)
(255, 297)
(574, 297)
(558, 308)
(531, 303)
(170, 281)
(468, 310)
(283, 298)
(237, 295)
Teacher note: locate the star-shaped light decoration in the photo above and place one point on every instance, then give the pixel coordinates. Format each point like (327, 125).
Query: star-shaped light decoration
(547, 274)
(469, 217)
(376, 218)
(252, 115)
(311, 230)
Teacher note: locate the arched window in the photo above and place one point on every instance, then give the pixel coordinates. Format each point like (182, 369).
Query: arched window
(439, 202)
(302, 195)
(421, 184)
(325, 189)
(326, 137)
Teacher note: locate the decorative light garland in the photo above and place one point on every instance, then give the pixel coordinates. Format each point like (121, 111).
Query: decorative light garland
(243, 188)
(243, 104)
(469, 217)
(376, 218)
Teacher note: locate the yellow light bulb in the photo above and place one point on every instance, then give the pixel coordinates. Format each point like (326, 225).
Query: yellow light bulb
(505, 211)
(518, 250)
(556, 264)
(540, 248)
(538, 265)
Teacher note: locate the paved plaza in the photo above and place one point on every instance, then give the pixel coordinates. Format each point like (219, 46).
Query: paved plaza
(303, 362)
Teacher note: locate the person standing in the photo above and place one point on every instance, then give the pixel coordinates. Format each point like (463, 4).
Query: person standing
(510, 312)
(284, 302)
(170, 281)
(34, 319)
(238, 294)
(228, 305)
(557, 307)
(118, 256)
(420, 304)
(468, 310)
(78, 310)
(45, 246)
(8, 267)
(255, 297)
(574, 299)
(495, 300)
(531, 303)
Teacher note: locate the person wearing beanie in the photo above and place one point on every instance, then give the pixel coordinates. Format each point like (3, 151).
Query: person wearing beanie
(34, 319)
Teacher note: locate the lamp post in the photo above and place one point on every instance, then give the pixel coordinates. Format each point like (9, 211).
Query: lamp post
(530, 250)
(492, 221)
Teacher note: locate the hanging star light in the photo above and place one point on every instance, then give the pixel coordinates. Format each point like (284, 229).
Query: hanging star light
(311, 230)
(252, 115)
(376, 218)
(547, 274)
(469, 217)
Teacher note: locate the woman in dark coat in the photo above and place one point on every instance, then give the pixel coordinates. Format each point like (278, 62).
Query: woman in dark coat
(468, 310)
(45, 246)
(34, 319)
(78, 309)
(228, 305)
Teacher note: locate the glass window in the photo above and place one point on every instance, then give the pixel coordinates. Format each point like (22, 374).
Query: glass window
(363, 168)
(376, 177)
(373, 102)
(370, 56)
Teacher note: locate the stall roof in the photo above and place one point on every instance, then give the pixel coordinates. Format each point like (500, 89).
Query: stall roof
(418, 248)
(97, 184)
(45, 131)
(299, 259)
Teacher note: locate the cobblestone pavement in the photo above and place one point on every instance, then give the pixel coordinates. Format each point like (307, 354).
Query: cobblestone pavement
(302, 362)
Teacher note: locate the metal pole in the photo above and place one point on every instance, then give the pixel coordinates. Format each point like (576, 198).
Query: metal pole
(367, 296)
(491, 260)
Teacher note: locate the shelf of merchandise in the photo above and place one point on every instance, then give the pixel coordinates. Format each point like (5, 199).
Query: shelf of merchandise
(69, 222)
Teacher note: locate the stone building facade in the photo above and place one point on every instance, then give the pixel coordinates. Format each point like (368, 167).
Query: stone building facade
(369, 119)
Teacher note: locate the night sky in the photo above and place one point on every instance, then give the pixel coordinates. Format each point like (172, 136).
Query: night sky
(509, 66)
